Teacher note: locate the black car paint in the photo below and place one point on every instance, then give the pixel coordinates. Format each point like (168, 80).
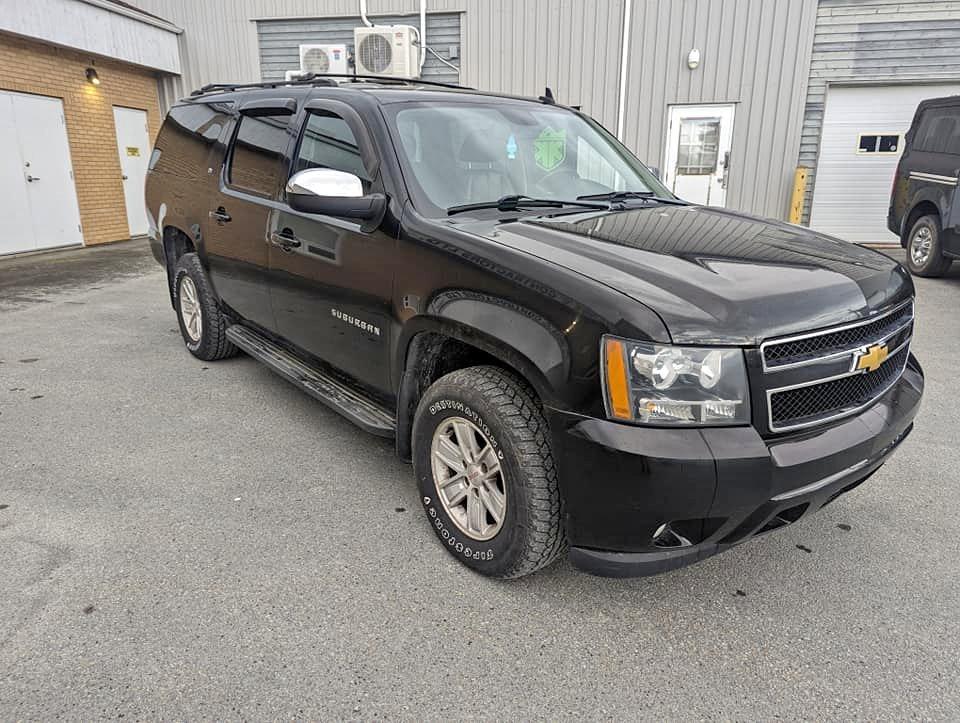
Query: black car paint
(932, 191)
(536, 293)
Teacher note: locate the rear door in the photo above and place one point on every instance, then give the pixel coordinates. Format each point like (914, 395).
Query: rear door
(236, 238)
(332, 283)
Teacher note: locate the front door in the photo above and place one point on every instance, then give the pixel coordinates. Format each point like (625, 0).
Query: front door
(36, 175)
(331, 283)
(133, 144)
(698, 152)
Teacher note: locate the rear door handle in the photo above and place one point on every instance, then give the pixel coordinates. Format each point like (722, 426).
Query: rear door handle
(285, 240)
(31, 179)
(220, 215)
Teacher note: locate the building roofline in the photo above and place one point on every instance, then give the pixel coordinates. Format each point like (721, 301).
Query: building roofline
(135, 13)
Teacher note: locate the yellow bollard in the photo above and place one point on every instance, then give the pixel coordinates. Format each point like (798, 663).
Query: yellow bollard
(796, 200)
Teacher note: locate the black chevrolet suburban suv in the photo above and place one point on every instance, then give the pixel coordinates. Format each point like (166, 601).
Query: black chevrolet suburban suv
(924, 209)
(573, 359)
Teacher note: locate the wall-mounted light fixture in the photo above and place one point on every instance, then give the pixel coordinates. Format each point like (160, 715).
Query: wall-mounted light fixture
(92, 76)
(693, 59)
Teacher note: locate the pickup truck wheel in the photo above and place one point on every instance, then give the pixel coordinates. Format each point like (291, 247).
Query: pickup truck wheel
(202, 324)
(924, 253)
(482, 456)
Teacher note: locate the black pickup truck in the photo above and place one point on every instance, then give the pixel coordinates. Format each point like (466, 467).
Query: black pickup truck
(572, 358)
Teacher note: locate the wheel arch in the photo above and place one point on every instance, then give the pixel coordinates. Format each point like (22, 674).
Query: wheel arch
(176, 243)
(923, 207)
(462, 329)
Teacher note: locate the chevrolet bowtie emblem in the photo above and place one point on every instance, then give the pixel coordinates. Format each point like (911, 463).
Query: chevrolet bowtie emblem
(870, 358)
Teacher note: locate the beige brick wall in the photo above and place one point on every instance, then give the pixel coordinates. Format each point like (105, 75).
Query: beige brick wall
(27, 66)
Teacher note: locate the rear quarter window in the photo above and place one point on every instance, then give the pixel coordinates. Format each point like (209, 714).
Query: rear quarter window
(938, 131)
(186, 138)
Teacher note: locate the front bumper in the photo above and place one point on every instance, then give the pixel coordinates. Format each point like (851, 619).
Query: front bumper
(713, 487)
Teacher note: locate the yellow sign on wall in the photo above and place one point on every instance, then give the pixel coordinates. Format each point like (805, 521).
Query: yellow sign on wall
(133, 151)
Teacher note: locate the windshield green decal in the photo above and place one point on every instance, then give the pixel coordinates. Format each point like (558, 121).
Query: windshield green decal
(550, 148)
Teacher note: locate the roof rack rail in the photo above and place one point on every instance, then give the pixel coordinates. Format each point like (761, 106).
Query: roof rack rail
(321, 79)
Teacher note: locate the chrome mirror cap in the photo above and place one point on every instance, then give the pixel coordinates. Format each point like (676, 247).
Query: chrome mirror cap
(325, 182)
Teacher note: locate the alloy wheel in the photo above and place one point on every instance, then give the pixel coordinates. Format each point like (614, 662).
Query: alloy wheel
(468, 478)
(921, 245)
(190, 311)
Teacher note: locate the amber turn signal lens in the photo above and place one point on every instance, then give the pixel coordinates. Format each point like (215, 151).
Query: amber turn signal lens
(617, 386)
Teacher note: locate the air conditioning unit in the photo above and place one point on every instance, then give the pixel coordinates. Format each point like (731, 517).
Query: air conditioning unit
(323, 59)
(391, 50)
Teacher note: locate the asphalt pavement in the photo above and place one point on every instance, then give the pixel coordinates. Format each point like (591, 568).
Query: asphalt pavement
(184, 540)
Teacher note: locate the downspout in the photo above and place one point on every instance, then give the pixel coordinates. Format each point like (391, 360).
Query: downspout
(423, 34)
(624, 55)
(363, 13)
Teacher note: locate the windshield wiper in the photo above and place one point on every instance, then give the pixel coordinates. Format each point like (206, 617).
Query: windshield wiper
(617, 196)
(514, 203)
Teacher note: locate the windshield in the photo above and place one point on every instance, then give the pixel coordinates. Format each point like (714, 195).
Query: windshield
(460, 153)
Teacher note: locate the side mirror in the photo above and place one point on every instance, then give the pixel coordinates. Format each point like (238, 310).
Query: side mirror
(655, 171)
(335, 193)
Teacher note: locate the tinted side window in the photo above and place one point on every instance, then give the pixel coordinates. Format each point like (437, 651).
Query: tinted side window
(186, 138)
(328, 142)
(256, 163)
(939, 131)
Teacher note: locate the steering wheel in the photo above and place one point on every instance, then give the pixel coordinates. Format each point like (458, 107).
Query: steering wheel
(563, 171)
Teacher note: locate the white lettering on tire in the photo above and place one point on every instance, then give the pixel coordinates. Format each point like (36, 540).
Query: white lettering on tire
(451, 538)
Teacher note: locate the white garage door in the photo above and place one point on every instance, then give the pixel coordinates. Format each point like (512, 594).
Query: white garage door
(860, 146)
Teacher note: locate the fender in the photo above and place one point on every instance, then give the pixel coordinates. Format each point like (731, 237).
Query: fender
(521, 338)
(926, 193)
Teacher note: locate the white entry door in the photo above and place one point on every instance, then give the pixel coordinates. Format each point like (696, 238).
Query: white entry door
(133, 144)
(37, 192)
(698, 152)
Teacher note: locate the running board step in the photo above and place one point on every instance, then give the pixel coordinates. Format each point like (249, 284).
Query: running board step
(320, 385)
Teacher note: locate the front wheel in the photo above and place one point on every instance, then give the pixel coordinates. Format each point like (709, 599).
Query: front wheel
(924, 252)
(486, 474)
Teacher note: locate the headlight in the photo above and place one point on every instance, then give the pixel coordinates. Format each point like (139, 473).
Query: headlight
(655, 384)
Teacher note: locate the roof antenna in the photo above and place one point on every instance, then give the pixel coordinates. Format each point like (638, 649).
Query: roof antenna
(547, 97)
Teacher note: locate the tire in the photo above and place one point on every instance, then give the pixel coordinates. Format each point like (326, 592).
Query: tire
(504, 418)
(205, 334)
(924, 252)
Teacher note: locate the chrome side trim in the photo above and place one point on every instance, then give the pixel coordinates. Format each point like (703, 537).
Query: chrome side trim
(934, 178)
(820, 483)
(823, 332)
(839, 415)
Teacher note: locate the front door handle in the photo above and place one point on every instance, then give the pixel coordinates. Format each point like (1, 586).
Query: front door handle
(220, 215)
(285, 240)
(31, 179)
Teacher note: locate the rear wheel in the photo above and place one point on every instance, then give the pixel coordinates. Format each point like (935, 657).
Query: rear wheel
(924, 252)
(202, 324)
(485, 468)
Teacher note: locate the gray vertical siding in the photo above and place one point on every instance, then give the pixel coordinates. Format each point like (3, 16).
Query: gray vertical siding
(755, 54)
(511, 46)
(280, 40)
(875, 41)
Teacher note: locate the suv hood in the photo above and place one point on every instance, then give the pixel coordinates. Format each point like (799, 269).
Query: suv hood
(715, 276)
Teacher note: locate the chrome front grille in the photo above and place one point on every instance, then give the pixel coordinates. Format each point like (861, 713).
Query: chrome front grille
(834, 372)
(797, 350)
